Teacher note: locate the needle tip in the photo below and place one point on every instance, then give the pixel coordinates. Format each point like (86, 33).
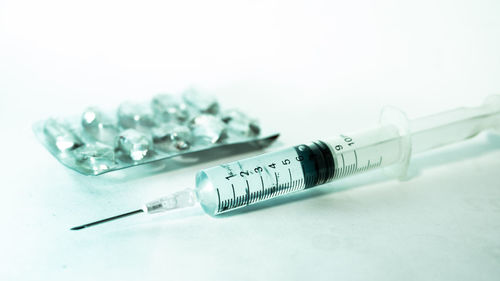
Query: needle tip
(77, 227)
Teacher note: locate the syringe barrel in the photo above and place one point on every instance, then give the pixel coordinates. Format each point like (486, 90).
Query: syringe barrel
(238, 184)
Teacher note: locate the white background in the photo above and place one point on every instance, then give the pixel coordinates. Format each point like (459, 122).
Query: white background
(309, 70)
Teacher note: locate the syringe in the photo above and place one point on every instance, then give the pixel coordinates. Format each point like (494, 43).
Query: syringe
(242, 183)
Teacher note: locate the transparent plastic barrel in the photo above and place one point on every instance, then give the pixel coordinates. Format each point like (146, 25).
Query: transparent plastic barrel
(242, 183)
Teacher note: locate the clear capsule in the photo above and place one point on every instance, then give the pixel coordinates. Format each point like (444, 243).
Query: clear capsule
(172, 137)
(95, 158)
(240, 125)
(136, 145)
(202, 103)
(99, 125)
(169, 108)
(61, 136)
(207, 129)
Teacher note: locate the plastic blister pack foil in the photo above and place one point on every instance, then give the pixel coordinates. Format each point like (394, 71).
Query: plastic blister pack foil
(97, 141)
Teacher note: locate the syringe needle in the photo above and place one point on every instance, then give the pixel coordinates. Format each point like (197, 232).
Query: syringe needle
(108, 219)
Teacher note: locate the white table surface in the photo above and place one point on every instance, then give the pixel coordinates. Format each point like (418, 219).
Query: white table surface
(308, 70)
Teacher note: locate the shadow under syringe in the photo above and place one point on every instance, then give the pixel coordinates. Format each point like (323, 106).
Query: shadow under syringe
(463, 151)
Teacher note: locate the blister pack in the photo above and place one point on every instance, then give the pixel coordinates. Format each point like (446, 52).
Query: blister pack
(97, 141)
